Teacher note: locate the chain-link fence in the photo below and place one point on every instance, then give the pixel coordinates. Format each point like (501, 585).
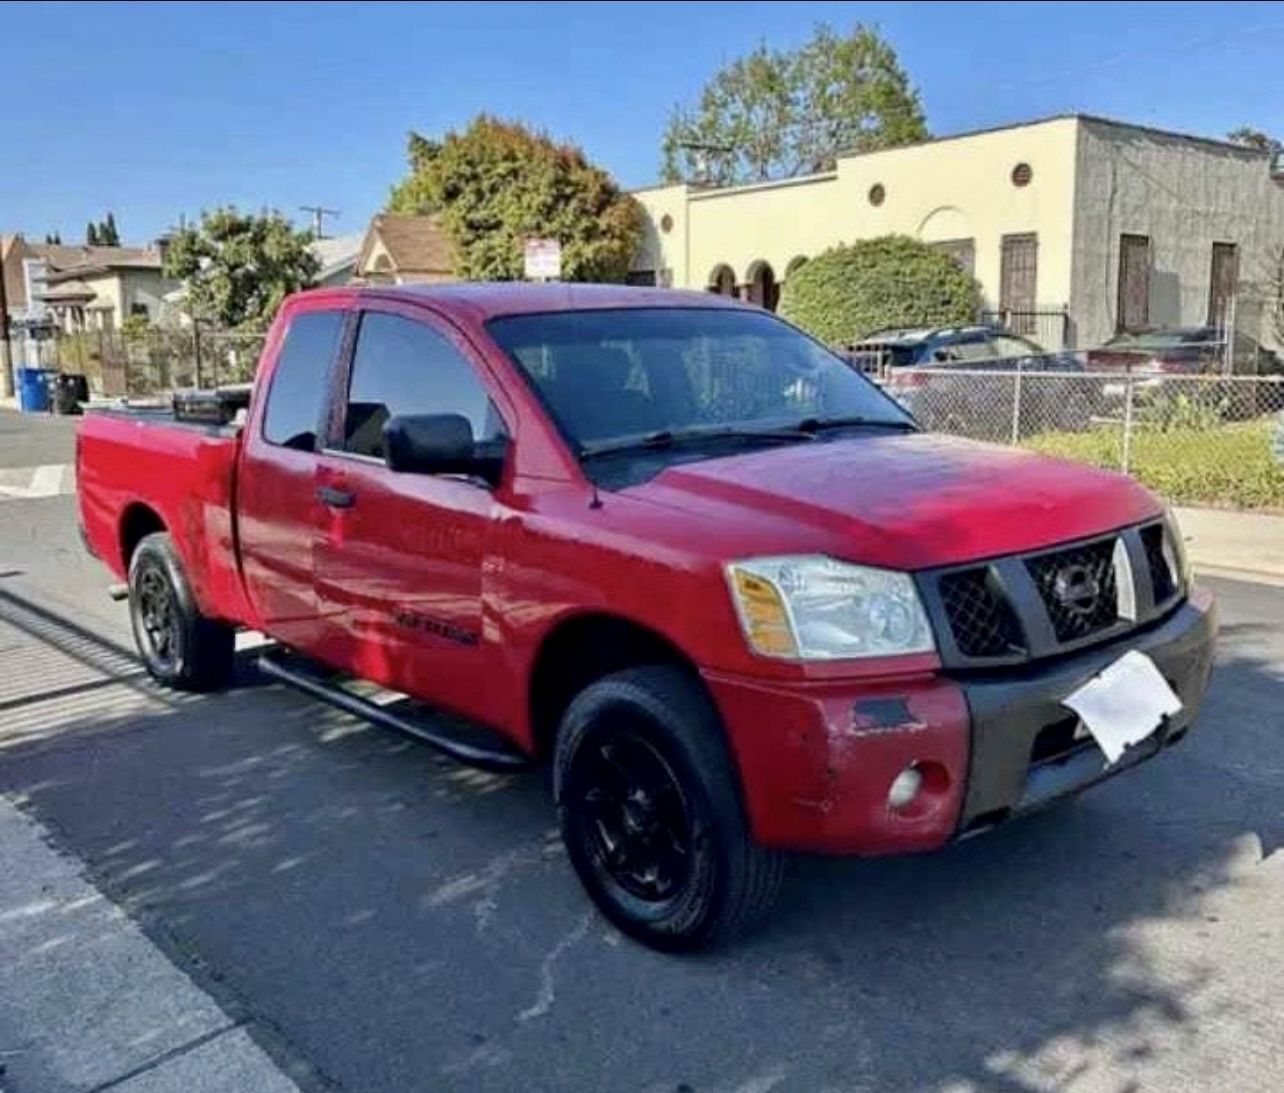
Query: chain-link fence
(1213, 439)
(155, 361)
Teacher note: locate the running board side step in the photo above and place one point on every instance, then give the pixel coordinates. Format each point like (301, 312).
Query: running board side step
(499, 756)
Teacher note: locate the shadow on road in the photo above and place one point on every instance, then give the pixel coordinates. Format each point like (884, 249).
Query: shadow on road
(408, 924)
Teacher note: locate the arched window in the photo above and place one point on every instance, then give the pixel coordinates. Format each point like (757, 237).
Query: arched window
(722, 280)
(763, 289)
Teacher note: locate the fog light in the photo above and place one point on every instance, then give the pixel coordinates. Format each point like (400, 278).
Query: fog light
(905, 787)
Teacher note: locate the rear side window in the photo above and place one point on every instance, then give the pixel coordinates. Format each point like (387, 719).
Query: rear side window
(405, 367)
(299, 381)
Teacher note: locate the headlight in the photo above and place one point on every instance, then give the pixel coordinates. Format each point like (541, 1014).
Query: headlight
(816, 608)
(1174, 547)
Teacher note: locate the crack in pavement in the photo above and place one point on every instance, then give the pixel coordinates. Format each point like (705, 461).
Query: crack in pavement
(547, 986)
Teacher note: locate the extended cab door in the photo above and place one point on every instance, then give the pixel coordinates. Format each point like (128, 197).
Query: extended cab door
(400, 558)
(279, 516)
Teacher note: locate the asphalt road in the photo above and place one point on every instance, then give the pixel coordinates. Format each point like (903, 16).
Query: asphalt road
(382, 920)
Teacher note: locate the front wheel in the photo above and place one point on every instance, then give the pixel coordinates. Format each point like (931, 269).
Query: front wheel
(650, 812)
(179, 646)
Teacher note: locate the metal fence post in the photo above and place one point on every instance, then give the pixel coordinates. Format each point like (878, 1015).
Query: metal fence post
(1127, 437)
(1016, 404)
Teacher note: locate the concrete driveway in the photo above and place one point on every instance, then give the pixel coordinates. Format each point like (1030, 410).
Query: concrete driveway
(380, 920)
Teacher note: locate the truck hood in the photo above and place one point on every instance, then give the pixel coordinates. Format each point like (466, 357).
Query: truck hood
(903, 501)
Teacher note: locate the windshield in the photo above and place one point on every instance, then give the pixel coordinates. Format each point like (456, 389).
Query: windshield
(611, 375)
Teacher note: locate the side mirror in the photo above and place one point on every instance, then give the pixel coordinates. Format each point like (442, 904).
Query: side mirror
(439, 444)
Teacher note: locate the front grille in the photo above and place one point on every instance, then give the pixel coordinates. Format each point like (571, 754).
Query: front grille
(1162, 581)
(1026, 606)
(981, 619)
(1078, 588)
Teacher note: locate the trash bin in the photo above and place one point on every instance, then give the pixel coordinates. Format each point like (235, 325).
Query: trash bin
(70, 390)
(33, 390)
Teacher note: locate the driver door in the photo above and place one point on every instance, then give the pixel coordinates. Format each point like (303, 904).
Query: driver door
(400, 556)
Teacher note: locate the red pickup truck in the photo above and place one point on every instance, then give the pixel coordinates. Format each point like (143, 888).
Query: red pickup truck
(667, 540)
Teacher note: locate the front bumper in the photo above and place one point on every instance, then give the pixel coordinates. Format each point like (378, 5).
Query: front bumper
(817, 759)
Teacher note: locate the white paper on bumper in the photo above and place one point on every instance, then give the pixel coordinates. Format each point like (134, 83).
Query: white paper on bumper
(1124, 704)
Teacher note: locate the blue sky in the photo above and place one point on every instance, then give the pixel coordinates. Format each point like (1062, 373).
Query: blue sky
(157, 110)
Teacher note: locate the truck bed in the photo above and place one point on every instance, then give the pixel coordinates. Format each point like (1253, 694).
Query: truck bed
(143, 468)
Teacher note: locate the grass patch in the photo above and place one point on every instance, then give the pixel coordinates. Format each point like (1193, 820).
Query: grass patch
(1229, 465)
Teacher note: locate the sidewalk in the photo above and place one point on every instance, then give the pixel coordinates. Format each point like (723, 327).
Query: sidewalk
(1239, 545)
(88, 1003)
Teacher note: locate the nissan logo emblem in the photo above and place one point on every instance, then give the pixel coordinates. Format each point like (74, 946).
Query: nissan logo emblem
(1076, 589)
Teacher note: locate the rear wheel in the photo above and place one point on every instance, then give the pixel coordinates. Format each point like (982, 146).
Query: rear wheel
(651, 814)
(179, 646)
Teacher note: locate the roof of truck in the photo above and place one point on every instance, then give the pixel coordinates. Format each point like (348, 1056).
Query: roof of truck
(486, 300)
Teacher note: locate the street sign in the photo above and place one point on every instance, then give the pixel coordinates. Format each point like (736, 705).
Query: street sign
(543, 259)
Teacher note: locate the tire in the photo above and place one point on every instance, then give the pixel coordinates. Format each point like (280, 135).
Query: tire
(180, 647)
(641, 770)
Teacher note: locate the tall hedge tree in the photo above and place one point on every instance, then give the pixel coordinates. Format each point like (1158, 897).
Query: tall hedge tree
(781, 113)
(848, 292)
(497, 183)
(238, 267)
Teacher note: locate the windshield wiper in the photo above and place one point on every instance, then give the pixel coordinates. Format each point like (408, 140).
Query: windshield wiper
(813, 425)
(669, 438)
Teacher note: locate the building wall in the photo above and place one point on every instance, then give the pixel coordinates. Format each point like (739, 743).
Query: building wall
(104, 311)
(378, 264)
(937, 191)
(1184, 194)
(142, 286)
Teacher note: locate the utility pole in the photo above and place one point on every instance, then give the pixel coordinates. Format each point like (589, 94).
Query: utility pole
(6, 349)
(702, 152)
(318, 212)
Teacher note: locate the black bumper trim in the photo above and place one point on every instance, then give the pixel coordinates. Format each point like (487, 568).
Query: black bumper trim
(1009, 709)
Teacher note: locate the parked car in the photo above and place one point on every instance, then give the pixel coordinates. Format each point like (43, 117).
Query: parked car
(913, 365)
(927, 347)
(666, 540)
(1187, 350)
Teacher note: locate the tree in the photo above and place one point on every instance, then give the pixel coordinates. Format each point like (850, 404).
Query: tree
(53, 237)
(497, 183)
(107, 234)
(91, 234)
(849, 291)
(781, 113)
(237, 268)
(1254, 138)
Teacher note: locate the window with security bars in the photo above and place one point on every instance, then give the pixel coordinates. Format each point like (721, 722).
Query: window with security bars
(1019, 280)
(1133, 310)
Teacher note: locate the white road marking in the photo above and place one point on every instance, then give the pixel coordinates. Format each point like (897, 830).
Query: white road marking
(32, 483)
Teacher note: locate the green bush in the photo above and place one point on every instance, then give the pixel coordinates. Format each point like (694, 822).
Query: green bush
(1232, 465)
(850, 291)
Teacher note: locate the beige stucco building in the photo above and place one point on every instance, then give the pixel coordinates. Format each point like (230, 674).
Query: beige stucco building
(1113, 225)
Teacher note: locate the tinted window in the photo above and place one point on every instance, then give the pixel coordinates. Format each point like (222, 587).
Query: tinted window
(1007, 346)
(299, 380)
(405, 367)
(974, 348)
(613, 374)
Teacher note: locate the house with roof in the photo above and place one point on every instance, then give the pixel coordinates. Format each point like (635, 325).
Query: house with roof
(78, 288)
(402, 250)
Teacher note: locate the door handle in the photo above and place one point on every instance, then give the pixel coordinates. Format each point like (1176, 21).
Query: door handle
(334, 498)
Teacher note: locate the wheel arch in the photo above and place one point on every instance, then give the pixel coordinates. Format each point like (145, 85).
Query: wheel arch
(583, 648)
(137, 521)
